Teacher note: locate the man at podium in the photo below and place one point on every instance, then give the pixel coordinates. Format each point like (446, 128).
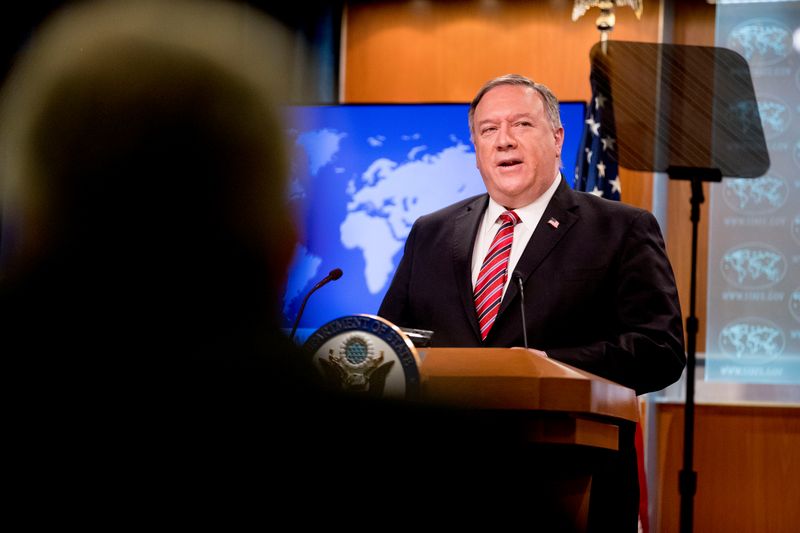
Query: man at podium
(599, 291)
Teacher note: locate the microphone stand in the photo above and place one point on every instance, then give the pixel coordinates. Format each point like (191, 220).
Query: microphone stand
(517, 276)
(334, 274)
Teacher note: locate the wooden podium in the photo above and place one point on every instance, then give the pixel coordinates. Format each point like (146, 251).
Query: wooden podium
(569, 417)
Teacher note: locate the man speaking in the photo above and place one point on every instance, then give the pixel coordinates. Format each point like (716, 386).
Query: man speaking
(599, 290)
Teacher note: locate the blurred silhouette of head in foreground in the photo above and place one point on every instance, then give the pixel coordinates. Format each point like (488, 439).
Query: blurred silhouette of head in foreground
(144, 220)
(143, 177)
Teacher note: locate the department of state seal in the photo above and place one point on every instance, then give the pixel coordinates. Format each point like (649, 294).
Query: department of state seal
(366, 354)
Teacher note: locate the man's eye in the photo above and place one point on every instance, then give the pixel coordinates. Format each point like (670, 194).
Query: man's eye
(490, 129)
(523, 123)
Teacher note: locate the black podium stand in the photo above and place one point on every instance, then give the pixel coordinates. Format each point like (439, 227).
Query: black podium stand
(691, 112)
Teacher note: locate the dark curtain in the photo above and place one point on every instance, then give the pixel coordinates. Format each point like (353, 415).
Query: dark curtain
(317, 28)
(316, 25)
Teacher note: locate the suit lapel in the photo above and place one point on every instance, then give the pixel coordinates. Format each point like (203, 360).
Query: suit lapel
(545, 237)
(465, 229)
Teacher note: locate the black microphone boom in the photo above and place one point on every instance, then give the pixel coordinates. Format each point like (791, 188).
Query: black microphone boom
(517, 276)
(333, 275)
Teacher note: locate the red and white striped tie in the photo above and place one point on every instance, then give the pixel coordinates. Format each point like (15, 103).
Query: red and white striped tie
(494, 271)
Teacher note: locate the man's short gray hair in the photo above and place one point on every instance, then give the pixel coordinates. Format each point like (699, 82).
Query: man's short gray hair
(549, 99)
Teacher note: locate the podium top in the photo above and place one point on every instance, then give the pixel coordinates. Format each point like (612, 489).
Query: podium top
(516, 378)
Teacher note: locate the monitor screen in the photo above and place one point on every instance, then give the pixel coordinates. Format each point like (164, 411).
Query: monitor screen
(361, 175)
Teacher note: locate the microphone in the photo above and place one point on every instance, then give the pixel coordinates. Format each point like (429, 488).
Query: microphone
(518, 277)
(333, 275)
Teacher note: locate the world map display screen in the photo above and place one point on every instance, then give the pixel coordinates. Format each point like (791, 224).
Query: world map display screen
(360, 176)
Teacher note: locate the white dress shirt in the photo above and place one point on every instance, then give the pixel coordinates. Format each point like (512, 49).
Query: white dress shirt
(529, 215)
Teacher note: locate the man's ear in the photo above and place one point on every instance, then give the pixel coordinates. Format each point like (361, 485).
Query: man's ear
(558, 134)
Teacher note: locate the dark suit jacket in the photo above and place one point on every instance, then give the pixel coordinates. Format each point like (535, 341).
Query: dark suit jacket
(599, 295)
(599, 290)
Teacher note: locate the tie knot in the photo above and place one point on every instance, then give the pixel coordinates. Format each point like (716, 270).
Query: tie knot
(510, 217)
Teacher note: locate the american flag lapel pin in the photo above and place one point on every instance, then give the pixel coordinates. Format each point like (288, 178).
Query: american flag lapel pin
(553, 222)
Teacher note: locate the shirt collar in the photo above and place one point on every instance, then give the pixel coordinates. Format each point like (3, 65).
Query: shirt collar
(528, 213)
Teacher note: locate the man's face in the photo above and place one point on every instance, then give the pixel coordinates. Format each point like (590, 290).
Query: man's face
(516, 148)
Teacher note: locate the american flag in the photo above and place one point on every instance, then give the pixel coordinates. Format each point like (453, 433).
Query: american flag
(596, 170)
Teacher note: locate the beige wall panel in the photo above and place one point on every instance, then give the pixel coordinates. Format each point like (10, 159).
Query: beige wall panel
(747, 460)
(444, 51)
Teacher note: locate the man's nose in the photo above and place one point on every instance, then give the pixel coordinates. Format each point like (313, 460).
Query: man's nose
(505, 138)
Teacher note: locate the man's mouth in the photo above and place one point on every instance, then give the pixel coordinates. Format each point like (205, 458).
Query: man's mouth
(509, 163)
